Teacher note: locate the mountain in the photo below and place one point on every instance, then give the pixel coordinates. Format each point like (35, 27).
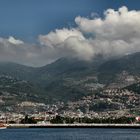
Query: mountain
(62, 80)
(14, 91)
(16, 70)
(108, 71)
(66, 79)
(70, 79)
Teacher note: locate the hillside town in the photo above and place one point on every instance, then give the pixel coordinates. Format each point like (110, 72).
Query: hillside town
(107, 106)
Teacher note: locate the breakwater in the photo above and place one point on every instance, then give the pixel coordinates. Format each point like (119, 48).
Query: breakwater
(73, 126)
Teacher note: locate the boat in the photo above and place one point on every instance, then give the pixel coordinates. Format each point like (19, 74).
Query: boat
(3, 126)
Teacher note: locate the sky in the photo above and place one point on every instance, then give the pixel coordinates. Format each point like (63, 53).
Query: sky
(37, 32)
(26, 19)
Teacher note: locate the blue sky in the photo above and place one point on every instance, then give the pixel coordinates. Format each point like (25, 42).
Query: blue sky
(26, 19)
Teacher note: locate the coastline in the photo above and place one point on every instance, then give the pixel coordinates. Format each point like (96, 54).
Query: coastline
(10, 126)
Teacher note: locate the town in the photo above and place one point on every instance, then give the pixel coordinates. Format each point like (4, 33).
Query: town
(108, 106)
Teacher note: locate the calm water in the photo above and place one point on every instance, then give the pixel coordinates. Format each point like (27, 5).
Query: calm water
(70, 134)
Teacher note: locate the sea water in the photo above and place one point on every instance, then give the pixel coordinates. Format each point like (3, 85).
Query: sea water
(70, 134)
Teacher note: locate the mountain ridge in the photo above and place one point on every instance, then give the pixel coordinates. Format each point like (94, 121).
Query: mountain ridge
(70, 79)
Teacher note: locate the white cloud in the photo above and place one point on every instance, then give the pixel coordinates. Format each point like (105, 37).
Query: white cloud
(15, 41)
(67, 42)
(14, 50)
(59, 36)
(115, 34)
(115, 25)
(118, 33)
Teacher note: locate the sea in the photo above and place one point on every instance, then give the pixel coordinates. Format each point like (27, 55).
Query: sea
(70, 134)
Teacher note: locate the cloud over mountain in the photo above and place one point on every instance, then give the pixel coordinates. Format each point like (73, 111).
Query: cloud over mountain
(68, 42)
(118, 33)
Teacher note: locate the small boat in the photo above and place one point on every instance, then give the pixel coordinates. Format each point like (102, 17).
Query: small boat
(3, 126)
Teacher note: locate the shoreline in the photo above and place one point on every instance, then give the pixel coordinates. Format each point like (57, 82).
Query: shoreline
(16, 126)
